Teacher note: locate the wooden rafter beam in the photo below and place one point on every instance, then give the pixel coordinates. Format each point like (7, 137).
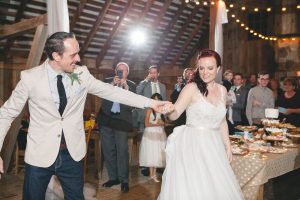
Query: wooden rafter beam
(140, 18)
(77, 14)
(113, 33)
(98, 21)
(7, 31)
(156, 23)
(18, 18)
(178, 35)
(191, 36)
(158, 44)
(200, 44)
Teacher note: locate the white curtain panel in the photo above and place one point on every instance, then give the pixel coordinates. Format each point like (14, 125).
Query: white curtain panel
(221, 19)
(58, 16)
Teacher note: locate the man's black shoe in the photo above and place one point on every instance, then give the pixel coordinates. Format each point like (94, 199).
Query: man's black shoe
(111, 183)
(124, 187)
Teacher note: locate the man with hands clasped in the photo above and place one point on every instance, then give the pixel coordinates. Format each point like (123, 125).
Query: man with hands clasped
(259, 98)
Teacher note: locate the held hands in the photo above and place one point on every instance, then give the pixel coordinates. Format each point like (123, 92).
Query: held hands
(163, 107)
(1, 167)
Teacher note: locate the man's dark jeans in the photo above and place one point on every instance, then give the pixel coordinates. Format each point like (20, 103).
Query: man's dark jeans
(68, 171)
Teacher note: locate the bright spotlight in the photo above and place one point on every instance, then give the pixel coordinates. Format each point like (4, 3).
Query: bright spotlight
(137, 37)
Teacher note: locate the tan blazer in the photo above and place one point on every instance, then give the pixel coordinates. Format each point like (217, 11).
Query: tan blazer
(46, 124)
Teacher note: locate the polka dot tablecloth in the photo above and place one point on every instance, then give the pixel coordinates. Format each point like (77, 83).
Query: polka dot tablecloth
(254, 169)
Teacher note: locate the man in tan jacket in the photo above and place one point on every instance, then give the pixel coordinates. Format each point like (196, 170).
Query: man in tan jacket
(56, 92)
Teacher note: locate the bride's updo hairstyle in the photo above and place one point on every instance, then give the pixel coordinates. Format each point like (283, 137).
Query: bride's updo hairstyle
(202, 86)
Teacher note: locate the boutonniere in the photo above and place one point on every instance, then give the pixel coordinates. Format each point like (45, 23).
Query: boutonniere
(75, 77)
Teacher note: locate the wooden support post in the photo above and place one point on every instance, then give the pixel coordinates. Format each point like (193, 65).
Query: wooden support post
(37, 46)
(212, 24)
(34, 58)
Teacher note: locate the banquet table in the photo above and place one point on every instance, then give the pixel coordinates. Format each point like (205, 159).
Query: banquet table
(253, 170)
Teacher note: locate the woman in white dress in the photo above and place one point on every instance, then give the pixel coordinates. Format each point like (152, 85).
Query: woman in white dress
(152, 149)
(198, 154)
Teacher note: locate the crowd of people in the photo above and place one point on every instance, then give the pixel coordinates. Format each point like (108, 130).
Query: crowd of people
(196, 156)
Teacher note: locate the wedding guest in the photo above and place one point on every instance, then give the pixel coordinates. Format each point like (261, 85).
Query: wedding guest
(239, 106)
(289, 102)
(227, 79)
(259, 98)
(188, 75)
(152, 149)
(149, 86)
(252, 81)
(115, 121)
(277, 91)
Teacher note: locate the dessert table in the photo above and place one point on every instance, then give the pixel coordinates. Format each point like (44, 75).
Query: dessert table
(254, 170)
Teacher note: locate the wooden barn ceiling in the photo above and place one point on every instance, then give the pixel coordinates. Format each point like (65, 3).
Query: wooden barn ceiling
(174, 29)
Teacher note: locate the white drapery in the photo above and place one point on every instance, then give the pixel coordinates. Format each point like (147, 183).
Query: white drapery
(58, 16)
(58, 20)
(221, 18)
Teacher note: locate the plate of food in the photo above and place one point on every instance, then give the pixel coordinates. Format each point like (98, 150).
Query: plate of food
(287, 125)
(275, 138)
(246, 128)
(235, 136)
(258, 147)
(293, 135)
(289, 145)
(277, 150)
(237, 150)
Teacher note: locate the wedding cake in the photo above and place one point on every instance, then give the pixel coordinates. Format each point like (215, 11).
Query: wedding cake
(271, 113)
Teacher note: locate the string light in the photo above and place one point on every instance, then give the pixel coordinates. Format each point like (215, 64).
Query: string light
(253, 32)
(243, 8)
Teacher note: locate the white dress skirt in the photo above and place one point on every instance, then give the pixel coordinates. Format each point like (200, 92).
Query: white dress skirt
(152, 148)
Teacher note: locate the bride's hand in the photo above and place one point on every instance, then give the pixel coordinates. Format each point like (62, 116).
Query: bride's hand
(229, 153)
(168, 108)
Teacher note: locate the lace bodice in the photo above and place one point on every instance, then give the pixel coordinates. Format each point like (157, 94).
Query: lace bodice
(205, 114)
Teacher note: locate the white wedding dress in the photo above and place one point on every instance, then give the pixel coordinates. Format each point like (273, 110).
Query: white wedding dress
(197, 167)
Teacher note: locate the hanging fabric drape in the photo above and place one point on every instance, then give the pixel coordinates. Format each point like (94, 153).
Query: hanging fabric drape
(221, 18)
(58, 16)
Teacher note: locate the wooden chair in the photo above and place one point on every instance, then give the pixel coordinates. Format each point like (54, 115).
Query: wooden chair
(20, 149)
(19, 158)
(133, 147)
(99, 160)
(87, 139)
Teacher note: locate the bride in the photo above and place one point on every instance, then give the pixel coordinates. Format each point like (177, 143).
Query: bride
(199, 153)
